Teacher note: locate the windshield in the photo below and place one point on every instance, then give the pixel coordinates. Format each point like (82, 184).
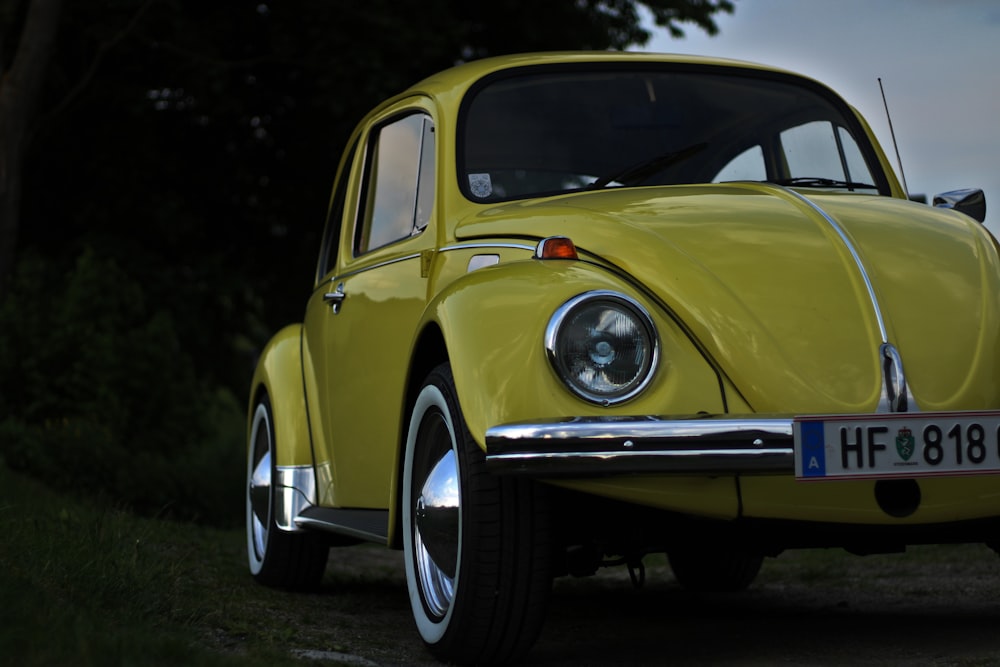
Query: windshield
(536, 132)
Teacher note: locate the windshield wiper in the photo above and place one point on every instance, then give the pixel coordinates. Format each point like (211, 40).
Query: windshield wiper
(819, 182)
(645, 168)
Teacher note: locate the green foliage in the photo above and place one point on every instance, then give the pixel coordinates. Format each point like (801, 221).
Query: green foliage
(87, 585)
(97, 394)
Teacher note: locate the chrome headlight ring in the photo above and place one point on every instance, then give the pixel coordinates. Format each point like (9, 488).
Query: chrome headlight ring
(603, 346)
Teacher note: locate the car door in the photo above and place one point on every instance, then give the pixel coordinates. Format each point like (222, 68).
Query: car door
(360, 319)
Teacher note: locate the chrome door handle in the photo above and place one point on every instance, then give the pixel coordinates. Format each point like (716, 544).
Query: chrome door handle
(336, 297)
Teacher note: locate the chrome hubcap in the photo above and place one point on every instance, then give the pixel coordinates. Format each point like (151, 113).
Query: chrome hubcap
(436, 530)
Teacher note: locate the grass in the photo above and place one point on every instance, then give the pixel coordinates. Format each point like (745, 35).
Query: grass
(86, 585)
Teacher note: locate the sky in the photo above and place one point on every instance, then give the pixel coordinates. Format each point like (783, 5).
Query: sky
(939, 62)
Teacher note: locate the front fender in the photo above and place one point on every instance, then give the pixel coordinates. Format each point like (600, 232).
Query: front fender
(279, 373)
(493, 322)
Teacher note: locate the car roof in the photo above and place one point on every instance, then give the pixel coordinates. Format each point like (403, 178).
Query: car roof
(455, 80)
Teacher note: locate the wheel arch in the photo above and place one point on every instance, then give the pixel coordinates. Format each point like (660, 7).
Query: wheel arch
(468, 326)
(429, 351)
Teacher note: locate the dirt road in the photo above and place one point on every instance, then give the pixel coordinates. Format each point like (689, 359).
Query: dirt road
(929, 606)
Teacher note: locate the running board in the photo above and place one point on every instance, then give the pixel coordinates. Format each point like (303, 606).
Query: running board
(368, 525)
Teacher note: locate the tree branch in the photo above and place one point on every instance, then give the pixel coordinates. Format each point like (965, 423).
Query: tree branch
(95, 64)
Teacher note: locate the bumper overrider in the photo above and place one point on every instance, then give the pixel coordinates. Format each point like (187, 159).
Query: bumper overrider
(593, 446)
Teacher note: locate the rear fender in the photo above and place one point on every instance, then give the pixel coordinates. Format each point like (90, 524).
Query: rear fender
(279, 374)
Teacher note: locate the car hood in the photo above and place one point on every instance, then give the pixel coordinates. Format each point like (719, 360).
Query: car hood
(767, 281)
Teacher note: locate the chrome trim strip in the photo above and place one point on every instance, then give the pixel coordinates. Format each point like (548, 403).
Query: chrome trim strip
(340, 529)
(588, 446)
(388, 262)
(479, 245)
(854, 253)
(294, 491)
(405, 258)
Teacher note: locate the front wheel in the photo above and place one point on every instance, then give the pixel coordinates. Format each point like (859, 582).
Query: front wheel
(276, 557)
(476, 546)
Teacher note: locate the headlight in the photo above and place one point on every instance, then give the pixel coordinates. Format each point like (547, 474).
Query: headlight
(603, 346)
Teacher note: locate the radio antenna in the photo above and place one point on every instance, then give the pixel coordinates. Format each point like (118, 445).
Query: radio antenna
(892, 133)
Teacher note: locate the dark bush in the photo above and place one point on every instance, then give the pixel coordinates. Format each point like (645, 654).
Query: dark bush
(98, 395)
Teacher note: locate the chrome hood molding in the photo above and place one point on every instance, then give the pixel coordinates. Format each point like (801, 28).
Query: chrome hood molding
(895, 394)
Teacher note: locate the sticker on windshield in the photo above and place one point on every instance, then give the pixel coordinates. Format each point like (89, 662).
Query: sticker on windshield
(480, 185)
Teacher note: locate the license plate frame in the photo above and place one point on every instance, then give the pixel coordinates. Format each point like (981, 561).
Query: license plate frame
(910, 444)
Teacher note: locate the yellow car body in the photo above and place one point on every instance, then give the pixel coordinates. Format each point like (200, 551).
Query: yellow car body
(768, 302)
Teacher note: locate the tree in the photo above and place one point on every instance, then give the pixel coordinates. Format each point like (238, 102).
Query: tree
(208, 67)
(20, 90)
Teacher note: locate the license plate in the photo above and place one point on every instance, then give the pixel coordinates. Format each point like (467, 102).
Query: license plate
(919, 444)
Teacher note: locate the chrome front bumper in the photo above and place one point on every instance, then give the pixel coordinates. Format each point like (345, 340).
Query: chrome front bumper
(589, 446)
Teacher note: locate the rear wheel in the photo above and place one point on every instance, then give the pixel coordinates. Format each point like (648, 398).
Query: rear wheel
(276, 557)
(714, 568)
(476, 546)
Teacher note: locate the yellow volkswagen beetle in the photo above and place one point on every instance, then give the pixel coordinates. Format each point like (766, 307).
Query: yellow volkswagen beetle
(573, 309)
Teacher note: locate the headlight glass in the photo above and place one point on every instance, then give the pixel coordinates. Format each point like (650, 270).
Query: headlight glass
(603, 346)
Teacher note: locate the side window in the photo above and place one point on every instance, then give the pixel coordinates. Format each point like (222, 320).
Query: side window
(747, 166)
(857, 169)
(398, 191)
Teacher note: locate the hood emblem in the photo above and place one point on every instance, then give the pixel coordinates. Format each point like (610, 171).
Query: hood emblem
(895, 393)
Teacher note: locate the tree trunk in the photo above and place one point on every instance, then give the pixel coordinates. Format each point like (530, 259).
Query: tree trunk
(20, 89)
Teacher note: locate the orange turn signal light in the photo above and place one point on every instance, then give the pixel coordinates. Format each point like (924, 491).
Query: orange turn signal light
(556, 247)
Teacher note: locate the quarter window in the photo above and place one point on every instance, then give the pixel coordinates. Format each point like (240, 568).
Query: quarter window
(331, 234)
(820, 149)
(398, 190)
